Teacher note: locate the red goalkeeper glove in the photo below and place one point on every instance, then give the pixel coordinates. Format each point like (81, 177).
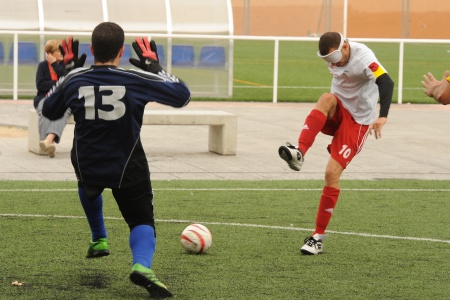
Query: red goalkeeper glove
(148, 55)
(69, 50)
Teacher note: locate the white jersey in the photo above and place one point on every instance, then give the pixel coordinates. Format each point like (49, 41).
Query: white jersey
(354, 84)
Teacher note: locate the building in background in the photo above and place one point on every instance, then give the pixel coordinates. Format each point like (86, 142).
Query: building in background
(416, 19)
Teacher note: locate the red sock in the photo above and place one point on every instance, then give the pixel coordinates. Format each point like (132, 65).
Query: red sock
(313, 124)
(327, 203)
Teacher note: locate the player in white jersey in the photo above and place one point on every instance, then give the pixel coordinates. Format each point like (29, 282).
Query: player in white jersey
(348, 113)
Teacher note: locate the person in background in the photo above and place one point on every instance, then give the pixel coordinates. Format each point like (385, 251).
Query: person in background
(439, 90)
(47, 74)
(108, 105)
(348, 113)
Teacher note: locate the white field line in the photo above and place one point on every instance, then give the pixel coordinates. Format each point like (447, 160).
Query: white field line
(241, 189)
(301, 87)
(242, 225)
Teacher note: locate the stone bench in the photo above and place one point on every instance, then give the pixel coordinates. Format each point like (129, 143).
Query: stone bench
(222, 127)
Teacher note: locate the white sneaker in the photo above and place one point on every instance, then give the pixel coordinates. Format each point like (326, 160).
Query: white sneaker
(292, 155)
(313, 245)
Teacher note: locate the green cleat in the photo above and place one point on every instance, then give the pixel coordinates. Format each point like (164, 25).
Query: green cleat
(145, 277)
(98, 248)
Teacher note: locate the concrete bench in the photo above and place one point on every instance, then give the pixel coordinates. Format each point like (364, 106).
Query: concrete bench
(222, 127)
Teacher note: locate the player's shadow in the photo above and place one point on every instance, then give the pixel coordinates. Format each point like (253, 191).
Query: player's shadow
(95, 281)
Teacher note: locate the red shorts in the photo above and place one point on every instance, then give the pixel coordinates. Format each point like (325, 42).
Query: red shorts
(348, 136)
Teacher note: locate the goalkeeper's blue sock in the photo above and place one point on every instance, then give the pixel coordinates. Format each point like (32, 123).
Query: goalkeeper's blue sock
(143, 245)
(94, 214)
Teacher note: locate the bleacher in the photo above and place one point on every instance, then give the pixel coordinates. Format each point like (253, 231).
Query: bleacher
(205, 69)
(27, 53)
(2, 54)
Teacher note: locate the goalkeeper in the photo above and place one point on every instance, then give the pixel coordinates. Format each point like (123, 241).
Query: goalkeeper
(108, 104)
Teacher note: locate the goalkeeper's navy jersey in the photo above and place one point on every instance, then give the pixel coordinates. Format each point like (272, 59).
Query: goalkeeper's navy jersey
(108, 105)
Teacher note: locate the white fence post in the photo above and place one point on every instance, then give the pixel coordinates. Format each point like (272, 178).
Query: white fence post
(16, 67)
(400, 73)
(275, 71)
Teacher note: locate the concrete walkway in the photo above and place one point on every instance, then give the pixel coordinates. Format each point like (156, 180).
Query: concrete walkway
(415, 144)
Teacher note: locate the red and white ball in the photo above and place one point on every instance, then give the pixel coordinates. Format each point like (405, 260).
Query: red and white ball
(196, 239)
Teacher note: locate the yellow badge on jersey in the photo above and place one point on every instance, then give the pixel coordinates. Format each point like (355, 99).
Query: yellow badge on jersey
(377, 70)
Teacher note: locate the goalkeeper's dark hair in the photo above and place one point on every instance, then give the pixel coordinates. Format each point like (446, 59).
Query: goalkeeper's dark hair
(107, 39)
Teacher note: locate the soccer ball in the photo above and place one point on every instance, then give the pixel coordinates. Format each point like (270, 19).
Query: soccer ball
(196, 239)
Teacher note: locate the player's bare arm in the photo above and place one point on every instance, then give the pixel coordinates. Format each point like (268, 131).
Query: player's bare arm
(375, 127)
(437, 89)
